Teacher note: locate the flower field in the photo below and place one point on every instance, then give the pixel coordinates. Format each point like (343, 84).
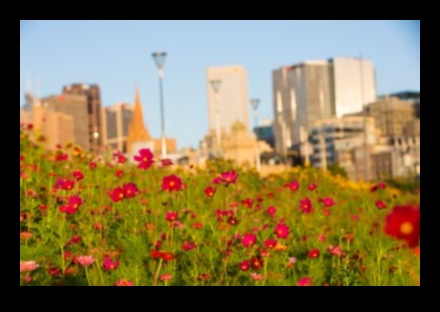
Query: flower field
(87, 220)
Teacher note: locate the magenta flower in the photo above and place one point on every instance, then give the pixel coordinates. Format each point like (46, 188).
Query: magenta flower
(306, 205)
(85, 261)
(145, 158)
(282, 230)
(294, 186)
(248, 240)
(328, 202)
(380, 204)
(271, 211)
(187, 246)
(270, 243)
(228, 177)
(130, 190)
(28, 266)
(305, 281)
(110, 265)
(75, 201)
(172, 215)
(312, 186)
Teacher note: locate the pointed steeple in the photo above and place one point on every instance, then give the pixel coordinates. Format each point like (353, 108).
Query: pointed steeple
(137, 132)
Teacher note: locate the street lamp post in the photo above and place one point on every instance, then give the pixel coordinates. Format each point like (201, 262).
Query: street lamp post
(255, 103)
(159, 59)
(216, 87)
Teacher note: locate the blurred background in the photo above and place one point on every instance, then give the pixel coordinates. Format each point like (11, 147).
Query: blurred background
(269, 95)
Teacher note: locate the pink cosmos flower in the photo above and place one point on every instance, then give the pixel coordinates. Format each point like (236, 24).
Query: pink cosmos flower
(312, 186)
(130, 190)
(282, 230)
(145, 158)
(165, 277)
(85, 261)
(228, 177)
(257, 277)
(271, 211)
(110, 265)
(28, 266)
(187, 246)
(172, 215)
(172, 183)
(294, 186)
(124, 282)
(305, 281)
(75, 201)
(380, 204)
(270, 243)
(381, 185)
(328, 202)
(248, 240)
(336, 251)
(306, 205)
(117, 194)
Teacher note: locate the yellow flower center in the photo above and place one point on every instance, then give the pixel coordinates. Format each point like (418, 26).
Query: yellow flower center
(172, 183)
(145, 159)
(406, 228)
(121, 195)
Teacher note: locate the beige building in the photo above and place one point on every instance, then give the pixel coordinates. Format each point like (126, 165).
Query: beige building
(231, 101)
(391, 115)
(55, 127)
(240, 146)
(75, 106)
(116, 121)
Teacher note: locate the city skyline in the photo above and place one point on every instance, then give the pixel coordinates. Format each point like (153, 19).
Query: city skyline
(116, 55)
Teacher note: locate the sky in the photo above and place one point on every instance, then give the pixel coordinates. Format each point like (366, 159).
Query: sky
(116, 55)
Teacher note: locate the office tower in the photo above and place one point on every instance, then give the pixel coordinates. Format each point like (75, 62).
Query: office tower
(117, 119)
(315, 90)
(75, 105)
(94, 119)
(232, 99)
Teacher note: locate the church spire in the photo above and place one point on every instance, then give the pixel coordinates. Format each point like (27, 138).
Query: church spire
(137, 131)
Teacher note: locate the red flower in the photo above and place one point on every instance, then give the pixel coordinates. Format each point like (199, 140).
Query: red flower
(248, 240)
(67, 209)
(271, 210)
(256, 263)
(78, 175)
(130, 190)
(294, 186)
(92, 165)
(119, 173)
(282, 230)
(306, 205)
(156, 254)
(110, 265)
(64, 184)
(328, 202)
(244, 266)
(54, 271)
(336, 251)
(171, 216)
(117, 194)
(373, 188)
(232, 220)
(228, 177)
(381, 185)
(166, 162)
(210, 191)
(121, 159)
(145, 158)
(75, 201)
(305, 281)
(167, 256)
(74, 240)
(380, 204)
(270, 243)
(312, 186)
(247, 202)
(187, 246)
(404, 223)
(314, 253)
(172, 183)
(197, 225)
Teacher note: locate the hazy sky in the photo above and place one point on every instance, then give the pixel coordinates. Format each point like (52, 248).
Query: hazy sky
(117, 56)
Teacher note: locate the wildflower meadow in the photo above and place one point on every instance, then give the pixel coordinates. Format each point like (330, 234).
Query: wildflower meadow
(112, 221)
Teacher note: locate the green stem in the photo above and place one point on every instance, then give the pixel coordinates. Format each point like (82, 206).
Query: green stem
(156, 275)
(87, 276)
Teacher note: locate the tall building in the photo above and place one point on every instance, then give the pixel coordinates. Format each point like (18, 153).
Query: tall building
(314, 90)
(55, 127)
(232, 100)
(116, 121)
(94, 110)
(76, 106)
